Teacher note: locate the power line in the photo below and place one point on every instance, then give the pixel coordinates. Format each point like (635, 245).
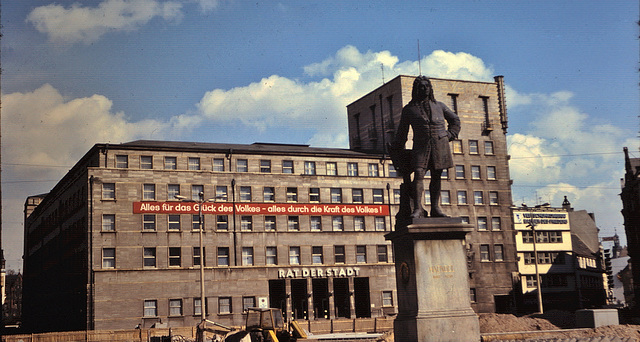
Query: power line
(566, 155)
(564, 186)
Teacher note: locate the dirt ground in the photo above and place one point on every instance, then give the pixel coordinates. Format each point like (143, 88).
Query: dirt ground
(553, 320)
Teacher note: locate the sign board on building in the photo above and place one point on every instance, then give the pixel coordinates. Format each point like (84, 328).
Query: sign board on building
(540, 218)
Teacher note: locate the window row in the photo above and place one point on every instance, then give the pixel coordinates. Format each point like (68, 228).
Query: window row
(297, 255)
(176, 307)
(264, 166)
(473, 147)
(549, 280)
(174, 222)
(542, 236)
(557, 258)
(486, 254)
(462, 197)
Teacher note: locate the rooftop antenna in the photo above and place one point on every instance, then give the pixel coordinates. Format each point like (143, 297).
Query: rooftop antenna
(419, 65)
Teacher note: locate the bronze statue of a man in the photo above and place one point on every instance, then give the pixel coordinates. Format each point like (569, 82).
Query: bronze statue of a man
(431, 136)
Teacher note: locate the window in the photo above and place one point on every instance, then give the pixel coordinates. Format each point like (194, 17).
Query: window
(246, 223)
(194, 163)
(445, 174)
(173, 190)
(484, 253)
(316, 223)
(146, 162)
(445, 197)
(195, 221)
(108, 191)
(272, 255)
(498, 254)
(380, 224)
(496, 223)
(459, 171)
(221, 193)
(472, 295)
(175, 307)
(352, 169)
(358, 223)
(108, 222)
(475, 172)
(218, 164)
(149, 257)
(493, 198)
(245, 194)
(293, 223)
(122, 161)
(527, 236)
(357, 196)
(248, 302)
(223, 256)
(396, 196)
(382, 253)
(373, 170)
(309, 168)
(148, 192)
(292, 194)
(332, 169)
(531, 281)
(197, 192)
(454, 101)
(554, 280)
(387, 298)
(378, 196)
(173, 222)
(294, 255)
(462, 197)
(488, 147)
(269, 194)
(270, 223)
(465, 219)
(457, 146)
(339, 254)
(287, 166)
(197, 306)
(108, 258)
(555, 237)
(242, 165)
(337, 223)
(224, 305)
(316, 255)
(473, 146)
(491, 173)
(196, 256)
(482, 223)
(175, 257)
(478, 197)
(149, 222)
(222, 222)
(247, 256)
(392, 171)
(170, 163)
(336, 195)
(151, 308)
(265, 166)
(361, 254)
(427, 197)
(314, 195)
(529, 258)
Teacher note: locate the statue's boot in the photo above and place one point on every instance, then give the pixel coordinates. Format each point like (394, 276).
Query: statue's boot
(434, 194)
(437, 212)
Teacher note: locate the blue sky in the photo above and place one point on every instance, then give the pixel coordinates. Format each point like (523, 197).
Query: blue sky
(80, 73)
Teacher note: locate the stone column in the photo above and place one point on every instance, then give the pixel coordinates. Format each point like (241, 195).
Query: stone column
(432, 282)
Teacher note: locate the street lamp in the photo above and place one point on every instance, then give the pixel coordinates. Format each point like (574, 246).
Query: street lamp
(203, 317)
(535, 257)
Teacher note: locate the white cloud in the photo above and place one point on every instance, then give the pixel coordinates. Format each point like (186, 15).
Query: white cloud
(320, 105)
(208, 5)
(43, 128)
(87, 24)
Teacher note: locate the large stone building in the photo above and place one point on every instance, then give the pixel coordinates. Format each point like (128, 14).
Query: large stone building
(631, 212)
(289, 226)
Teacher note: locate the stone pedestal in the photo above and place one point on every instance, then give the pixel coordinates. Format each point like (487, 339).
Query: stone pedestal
(432, 282)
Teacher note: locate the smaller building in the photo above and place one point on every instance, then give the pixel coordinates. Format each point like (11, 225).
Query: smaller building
(570, 268)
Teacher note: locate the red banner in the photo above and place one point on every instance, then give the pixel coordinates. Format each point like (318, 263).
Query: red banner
(260, 208)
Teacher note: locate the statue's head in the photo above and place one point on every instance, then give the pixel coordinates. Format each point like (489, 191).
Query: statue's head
(422, 89)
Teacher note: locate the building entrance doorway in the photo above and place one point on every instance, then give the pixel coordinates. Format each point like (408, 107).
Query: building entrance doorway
(320, 288)
(341, 298)
(361, 297)
(299, 299)
(278, 295)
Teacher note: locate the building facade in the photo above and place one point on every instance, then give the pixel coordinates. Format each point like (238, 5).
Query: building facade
(630, 196)
(477, 188)
(571, 270)
(115, 244)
